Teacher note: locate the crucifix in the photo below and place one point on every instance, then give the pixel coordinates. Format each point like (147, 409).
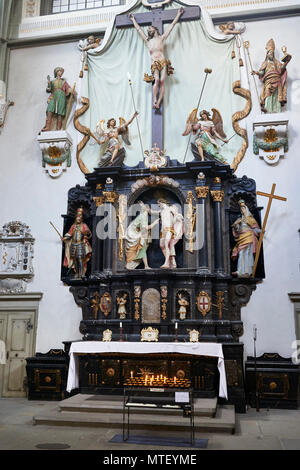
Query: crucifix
(156, 18)
(271, 197)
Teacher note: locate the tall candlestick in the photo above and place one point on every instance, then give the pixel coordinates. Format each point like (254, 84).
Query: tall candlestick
(176, 332)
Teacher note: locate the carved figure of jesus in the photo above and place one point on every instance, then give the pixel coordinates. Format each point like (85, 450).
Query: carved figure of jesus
(160, 66)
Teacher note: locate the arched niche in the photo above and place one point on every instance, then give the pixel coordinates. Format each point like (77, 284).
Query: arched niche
(150, 195)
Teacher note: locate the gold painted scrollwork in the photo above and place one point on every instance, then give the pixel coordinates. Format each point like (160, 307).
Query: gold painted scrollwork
(238, 116)
(83, 130)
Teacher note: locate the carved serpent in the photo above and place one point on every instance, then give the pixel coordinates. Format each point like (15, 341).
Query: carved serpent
(235, 122)
(83, 130)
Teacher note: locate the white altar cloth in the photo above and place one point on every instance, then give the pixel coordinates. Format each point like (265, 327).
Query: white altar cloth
(92, 347)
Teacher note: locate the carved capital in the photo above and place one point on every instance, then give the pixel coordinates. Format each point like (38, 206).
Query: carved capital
(202, 191)
(110, 196)
(99, 200)
(217, 195)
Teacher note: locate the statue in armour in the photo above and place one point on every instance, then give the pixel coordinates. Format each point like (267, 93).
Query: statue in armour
(77, 247)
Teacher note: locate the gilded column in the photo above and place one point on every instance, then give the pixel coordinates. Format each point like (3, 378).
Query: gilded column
(97, 258)
(217, 194)
(109, 199)
(202, 191)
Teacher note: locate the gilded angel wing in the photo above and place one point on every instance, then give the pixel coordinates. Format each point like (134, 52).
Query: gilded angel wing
(100, 129)
(218, 122)
(124, 131)
(191, 121)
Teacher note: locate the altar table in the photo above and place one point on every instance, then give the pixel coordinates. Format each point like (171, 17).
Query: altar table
(94, 347)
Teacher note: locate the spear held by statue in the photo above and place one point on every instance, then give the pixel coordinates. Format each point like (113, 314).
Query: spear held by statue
(207, 72)
(60, 236)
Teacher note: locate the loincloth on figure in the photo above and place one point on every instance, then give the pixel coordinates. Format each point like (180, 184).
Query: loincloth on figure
(159, 65)
(166, 230)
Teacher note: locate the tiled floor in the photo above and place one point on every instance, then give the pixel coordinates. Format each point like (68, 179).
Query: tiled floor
(266, 430)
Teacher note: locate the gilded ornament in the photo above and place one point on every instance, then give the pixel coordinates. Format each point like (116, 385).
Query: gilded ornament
(217, 195)
(149, 334)
(110, 196)
(105, 304)
(203, 303)
(107, 335)
(202, 191)
(194, 336)
(99, 200)
(95, 304)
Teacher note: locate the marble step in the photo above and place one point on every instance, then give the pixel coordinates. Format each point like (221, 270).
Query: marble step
(109, 404)
(223, 421)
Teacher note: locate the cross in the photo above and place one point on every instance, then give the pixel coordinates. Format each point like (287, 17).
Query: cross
(204, 303)
(271, 197)
(157, 17)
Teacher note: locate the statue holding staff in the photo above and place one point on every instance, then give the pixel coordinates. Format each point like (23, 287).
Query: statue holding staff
(78, 250)
(273, 74)
(59, 90)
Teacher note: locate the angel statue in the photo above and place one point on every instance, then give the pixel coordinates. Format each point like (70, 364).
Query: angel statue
(206, 130)
(235, 30)
(84, 46)
(112, 156)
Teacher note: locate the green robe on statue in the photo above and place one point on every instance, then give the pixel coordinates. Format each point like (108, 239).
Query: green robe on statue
(57, 102)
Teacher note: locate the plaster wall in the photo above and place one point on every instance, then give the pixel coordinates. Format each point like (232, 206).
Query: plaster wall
(29, 194)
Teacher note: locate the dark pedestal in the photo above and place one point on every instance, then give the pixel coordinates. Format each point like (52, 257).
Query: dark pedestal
(47, 375)
(234, 366)
(277, 380)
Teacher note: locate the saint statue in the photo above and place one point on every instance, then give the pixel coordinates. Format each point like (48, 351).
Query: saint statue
(111, 137)
(78, 249)
(121, 301)
(57, 102)
(273, 74)
(160, 66)
(184, 303)
(245, 231)
(206, 130)
(138, 238)
(172, 228)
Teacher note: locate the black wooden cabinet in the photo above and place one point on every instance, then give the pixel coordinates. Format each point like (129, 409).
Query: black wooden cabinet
(276, 380)
(47, 375)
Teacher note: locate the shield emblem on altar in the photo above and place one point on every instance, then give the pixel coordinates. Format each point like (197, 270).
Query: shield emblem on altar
(203, 303)
(105, 303)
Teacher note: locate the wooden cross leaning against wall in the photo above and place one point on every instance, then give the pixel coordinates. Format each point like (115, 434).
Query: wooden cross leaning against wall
(271, 196)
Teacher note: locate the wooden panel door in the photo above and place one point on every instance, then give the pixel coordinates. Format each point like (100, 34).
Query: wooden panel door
(19, 344)
(3, 329)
